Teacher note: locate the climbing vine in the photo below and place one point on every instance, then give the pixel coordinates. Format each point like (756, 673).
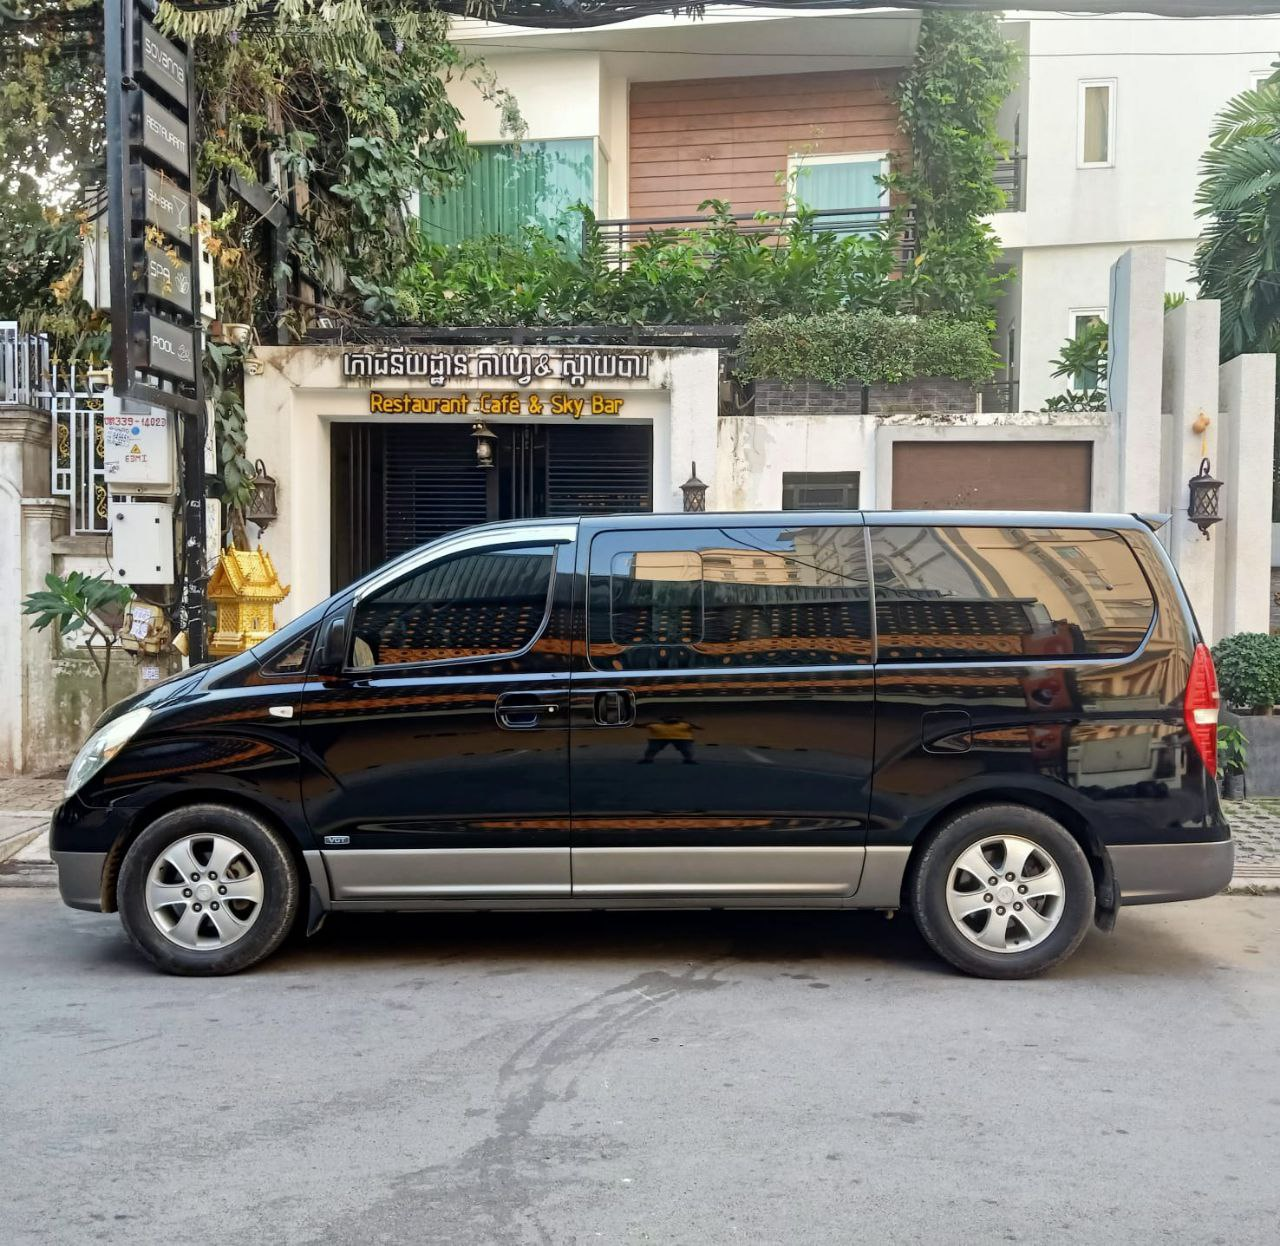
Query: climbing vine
(963, 71)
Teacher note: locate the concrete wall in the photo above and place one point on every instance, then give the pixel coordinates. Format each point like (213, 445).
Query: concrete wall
(50, 691)
(1054, 283)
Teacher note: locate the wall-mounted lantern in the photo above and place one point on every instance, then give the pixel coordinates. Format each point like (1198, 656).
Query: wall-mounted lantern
(1202, 509)
(695, 492)
(485, 437)
(261, 507)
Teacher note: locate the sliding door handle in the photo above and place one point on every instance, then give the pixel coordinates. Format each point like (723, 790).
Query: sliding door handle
(614, 707)
(520, 711)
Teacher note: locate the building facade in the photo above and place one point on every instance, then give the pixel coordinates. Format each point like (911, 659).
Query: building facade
(1106, 128)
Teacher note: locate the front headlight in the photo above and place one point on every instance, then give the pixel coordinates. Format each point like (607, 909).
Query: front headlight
(102, 746)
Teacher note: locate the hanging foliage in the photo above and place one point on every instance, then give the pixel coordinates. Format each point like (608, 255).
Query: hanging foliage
(345, 102)
(949, 99)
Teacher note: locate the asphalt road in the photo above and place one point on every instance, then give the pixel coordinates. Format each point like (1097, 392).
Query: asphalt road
(696, 1078)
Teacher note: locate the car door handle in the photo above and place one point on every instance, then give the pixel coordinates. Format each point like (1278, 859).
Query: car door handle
(614, 707)
(520, 711)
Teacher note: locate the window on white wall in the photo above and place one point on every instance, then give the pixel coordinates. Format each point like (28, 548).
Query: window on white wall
(1097, 123)
(1082, 320)
(839, 182)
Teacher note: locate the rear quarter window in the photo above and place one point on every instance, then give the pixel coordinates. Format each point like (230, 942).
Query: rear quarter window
(1006, 594)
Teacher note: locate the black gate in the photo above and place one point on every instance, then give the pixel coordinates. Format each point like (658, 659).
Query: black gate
(397, 486)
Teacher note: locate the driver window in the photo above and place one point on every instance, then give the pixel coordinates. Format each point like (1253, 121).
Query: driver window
(479, 604)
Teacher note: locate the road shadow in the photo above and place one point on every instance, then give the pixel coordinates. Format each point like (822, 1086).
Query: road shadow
(1148, 942)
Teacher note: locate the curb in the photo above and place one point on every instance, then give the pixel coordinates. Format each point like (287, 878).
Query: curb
(1253, 886)
(15, 843)
(28, 874)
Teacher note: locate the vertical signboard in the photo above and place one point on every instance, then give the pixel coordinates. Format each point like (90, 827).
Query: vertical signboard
(156, 336)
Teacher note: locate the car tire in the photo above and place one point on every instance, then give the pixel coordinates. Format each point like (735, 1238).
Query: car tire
(207, 890)
(1002, 891)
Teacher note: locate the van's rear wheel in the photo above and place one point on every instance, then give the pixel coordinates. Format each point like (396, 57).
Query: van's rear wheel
(1003, 891)
(207, 890)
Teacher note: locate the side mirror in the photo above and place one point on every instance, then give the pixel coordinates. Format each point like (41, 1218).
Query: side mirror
(333, 645)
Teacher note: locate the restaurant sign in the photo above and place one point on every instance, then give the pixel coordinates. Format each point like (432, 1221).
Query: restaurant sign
(519, 366)
(505, 402)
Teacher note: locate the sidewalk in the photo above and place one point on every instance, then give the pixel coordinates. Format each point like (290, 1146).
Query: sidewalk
(1255, 824)
(25, 806)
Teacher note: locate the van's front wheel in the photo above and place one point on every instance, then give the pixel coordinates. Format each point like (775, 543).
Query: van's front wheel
(207, 890)
(1003, 891)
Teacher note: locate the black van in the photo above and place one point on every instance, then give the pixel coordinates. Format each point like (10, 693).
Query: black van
(1005, 723)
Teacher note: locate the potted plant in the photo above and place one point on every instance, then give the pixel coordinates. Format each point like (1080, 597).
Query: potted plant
(1248, 666)
(1233, 760)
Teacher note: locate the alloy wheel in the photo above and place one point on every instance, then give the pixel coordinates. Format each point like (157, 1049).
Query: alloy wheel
(204, 892)
(1005, 893)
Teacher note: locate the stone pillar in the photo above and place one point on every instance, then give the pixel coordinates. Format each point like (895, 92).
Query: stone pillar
(24, 467)
(1247, 387)
(1191, 398)
(1135, 338)
(43, 521)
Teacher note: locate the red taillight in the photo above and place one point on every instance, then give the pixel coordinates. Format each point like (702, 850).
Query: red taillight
(1200, 708)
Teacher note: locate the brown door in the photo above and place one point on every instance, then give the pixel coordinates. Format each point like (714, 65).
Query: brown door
(992, 475)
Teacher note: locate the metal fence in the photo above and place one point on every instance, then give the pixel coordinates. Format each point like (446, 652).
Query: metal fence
(24, 364)
(30, 378)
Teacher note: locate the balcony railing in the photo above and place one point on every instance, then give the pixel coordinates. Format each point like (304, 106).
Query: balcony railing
(1010, 174)
(1008, 177)
(620, 234)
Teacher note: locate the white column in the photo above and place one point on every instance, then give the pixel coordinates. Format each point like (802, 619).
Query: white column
(1135, 343)
(692, 429)
(24, 469)
(1190, 396)
(1247, 388)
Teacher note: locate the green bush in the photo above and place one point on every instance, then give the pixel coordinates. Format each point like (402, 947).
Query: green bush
(715, 274)
(867, 346)
(1248, 666)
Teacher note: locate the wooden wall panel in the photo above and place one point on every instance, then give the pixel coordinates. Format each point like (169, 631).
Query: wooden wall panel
(729, 138)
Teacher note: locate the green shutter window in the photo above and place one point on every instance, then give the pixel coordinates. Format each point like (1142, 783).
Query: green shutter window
(509, 188)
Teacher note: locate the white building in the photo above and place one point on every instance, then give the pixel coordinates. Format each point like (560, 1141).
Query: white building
(1113, 115)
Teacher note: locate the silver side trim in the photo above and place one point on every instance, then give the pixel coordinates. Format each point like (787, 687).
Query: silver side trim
(690, 871)
(382, 873)
(80, 879)
(1158, 873)
(597, 904)
(882, 875)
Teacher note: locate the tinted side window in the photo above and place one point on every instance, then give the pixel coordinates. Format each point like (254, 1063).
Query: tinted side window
(292, 659)
(475, 605)
(729, 597)
(1002, 594)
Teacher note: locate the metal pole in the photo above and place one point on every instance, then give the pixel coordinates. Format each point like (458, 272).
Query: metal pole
(194, 526)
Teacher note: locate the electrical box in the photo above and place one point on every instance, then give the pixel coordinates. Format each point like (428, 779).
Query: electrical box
(138, 449)
(142, 542)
